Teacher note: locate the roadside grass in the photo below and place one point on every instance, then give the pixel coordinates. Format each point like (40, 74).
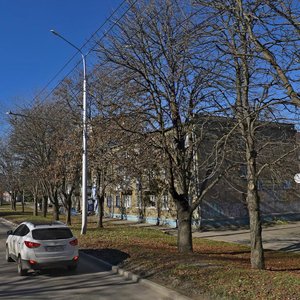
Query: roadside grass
(215, 270)
(19, 216)
(221, 270)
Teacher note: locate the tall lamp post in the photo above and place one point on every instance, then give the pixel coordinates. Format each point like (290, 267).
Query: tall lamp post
(84, 138)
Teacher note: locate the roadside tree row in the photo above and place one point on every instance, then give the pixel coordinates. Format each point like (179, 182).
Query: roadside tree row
(188, 90)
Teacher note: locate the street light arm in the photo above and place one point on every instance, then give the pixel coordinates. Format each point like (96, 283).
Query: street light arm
(10, 113)
(67, 41)
(74, 46)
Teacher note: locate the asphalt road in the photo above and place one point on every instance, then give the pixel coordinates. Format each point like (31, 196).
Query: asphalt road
(90, 281)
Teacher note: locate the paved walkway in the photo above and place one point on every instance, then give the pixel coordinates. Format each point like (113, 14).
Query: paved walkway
(278, 237)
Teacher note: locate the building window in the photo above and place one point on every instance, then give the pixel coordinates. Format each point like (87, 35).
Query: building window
(127, 201)
(109, 201)
(286, 185)
(164, 202)
(152, 201)
(260, 185)
(243, 171)
(118, 202)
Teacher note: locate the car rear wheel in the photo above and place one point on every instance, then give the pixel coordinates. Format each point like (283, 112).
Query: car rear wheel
(72, 267)
(21, 271)
(7, 255)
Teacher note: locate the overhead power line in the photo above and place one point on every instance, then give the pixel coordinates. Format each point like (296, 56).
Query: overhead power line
(115, 22)
(75, 54)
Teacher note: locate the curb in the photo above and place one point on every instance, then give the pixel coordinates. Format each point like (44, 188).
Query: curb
(171, 294)
(164, 291)
(9, 223)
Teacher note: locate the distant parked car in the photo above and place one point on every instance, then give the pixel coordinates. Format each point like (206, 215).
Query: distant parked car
(42, 245)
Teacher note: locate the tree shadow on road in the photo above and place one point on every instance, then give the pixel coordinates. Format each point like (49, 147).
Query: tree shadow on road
(291, 248)
(112, 256)
(90, 286)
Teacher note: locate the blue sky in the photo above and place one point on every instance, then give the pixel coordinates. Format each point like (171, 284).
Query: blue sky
(29, 54)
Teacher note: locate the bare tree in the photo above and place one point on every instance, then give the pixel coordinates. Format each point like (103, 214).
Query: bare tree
(246, 83)
(102, 143)
(158, 53)
(10, 170)
(45, 140)
(270, 28)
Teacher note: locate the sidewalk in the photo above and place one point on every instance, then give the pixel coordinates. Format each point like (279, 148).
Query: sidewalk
(278, 237)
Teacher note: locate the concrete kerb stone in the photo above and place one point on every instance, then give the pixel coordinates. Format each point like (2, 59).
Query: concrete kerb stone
(128, 275)
(166, 292)
(7, 222)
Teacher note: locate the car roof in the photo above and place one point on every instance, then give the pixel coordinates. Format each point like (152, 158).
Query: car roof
(43, 224)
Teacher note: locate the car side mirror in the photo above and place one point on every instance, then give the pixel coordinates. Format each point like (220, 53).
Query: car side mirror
(9, 232)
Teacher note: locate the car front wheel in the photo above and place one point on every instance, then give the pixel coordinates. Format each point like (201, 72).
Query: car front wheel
(7, 255)
(21, 271)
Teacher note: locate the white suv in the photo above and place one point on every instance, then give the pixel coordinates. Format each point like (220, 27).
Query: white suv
(40, 245)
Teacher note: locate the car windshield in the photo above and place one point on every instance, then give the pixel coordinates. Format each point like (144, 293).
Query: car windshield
(52, 233)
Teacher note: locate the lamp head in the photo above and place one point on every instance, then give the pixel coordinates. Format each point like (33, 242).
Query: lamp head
(54, 32)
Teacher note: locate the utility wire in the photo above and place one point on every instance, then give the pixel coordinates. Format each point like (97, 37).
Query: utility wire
(105, 34)
(93, 48)
(75, 54)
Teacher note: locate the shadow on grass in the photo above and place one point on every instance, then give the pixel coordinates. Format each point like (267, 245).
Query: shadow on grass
(15, 213)
(112, 256)
(278, 269)
(222, 253)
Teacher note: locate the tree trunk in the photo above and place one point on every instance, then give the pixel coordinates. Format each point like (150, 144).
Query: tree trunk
(78, 204)
(257, 253)
(68, 215)
(23, 201)
(122, 208)
(35, 205)
(45, 206)
(142, 206)
(100, 210)
(56, 213)
(141, 216)
(55, 208)
(13, 201)
(68, 208)
(158, 213)
(142, 210)
(184, 238)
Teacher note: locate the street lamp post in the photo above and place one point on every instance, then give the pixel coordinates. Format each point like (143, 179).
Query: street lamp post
(84, 138)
